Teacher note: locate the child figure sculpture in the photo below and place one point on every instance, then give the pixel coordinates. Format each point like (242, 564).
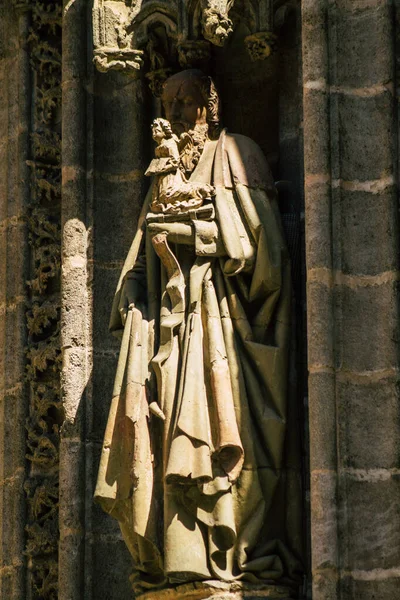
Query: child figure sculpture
(172, 192)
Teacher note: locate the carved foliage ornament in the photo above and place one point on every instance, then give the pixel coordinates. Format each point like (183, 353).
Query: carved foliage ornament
(43, 313)
(166, 35)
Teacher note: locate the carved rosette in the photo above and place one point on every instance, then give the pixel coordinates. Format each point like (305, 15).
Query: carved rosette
(43, 352)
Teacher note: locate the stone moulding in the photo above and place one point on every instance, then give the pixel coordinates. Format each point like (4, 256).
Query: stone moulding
(131, 35)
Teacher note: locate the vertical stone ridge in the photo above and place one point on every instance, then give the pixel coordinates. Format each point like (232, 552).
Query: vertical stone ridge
(14, 271)
(320, 306)
(397, 86)
(43, 315)
(75, 303)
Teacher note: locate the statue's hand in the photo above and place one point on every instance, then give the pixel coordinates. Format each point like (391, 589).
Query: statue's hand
(156, 410)
(128, 298)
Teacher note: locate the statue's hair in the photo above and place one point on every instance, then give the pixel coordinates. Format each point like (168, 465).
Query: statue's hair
(165, 126)
(211, 99)
(210, 95)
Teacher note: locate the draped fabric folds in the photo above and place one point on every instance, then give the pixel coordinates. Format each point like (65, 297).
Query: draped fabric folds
(211, 492)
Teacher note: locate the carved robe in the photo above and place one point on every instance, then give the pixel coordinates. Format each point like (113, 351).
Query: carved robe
(209, 493)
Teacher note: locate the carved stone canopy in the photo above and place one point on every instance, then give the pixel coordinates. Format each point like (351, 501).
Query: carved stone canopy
(167, 35)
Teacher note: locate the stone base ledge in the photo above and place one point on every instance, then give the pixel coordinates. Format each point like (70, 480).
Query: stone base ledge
(218, 590)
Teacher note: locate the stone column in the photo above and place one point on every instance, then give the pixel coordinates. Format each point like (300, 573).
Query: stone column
(352, 296)
(14, 272)
(104, 157)
(75, 303)
(120, 156)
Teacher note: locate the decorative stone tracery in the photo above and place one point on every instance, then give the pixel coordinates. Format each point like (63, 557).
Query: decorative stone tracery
(163, 35)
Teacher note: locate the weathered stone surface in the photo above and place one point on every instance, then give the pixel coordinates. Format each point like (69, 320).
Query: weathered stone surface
(324, 544)
(314, 38)
(326, 584)
(370, 537)
(116, 202)
(364, 411)
(105, 279)
(368, 230)
(384, 586)
(367, 327)
(104, 366)
(319, 220)
(13, 301)
(322, 421)
(75, 302)
(364, 51)
(351, 248)
(365, 125)
(111, 566)
(316, 110)
(320, 324)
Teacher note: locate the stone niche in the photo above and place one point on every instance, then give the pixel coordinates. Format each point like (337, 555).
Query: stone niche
(255, 61)
(80, 86)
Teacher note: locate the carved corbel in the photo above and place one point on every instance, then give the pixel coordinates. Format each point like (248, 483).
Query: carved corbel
(217, 26)
(118, 60)
(113, 42)
(261, 45)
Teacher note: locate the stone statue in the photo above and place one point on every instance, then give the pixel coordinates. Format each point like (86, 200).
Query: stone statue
(195, 464)
(172, 193)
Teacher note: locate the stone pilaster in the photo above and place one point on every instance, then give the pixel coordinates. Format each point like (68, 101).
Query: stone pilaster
(75, 303)
(14, 271)
(120, 155)
(352, 296)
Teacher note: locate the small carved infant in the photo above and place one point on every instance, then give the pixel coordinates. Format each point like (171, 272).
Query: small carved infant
(172, 192)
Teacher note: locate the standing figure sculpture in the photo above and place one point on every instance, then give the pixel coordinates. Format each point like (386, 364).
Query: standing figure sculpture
(171, 191)
(195, 463)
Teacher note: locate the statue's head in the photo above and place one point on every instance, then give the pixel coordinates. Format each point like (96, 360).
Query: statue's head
(161, 129)
(189, 99)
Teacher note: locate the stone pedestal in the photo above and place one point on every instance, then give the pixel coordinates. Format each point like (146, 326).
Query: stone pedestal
(218, 590)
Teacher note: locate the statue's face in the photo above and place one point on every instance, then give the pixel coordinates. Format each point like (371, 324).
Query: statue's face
(183, 103)
(158, 133)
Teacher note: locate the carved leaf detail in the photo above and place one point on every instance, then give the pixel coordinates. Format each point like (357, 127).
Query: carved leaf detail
(42, 317)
